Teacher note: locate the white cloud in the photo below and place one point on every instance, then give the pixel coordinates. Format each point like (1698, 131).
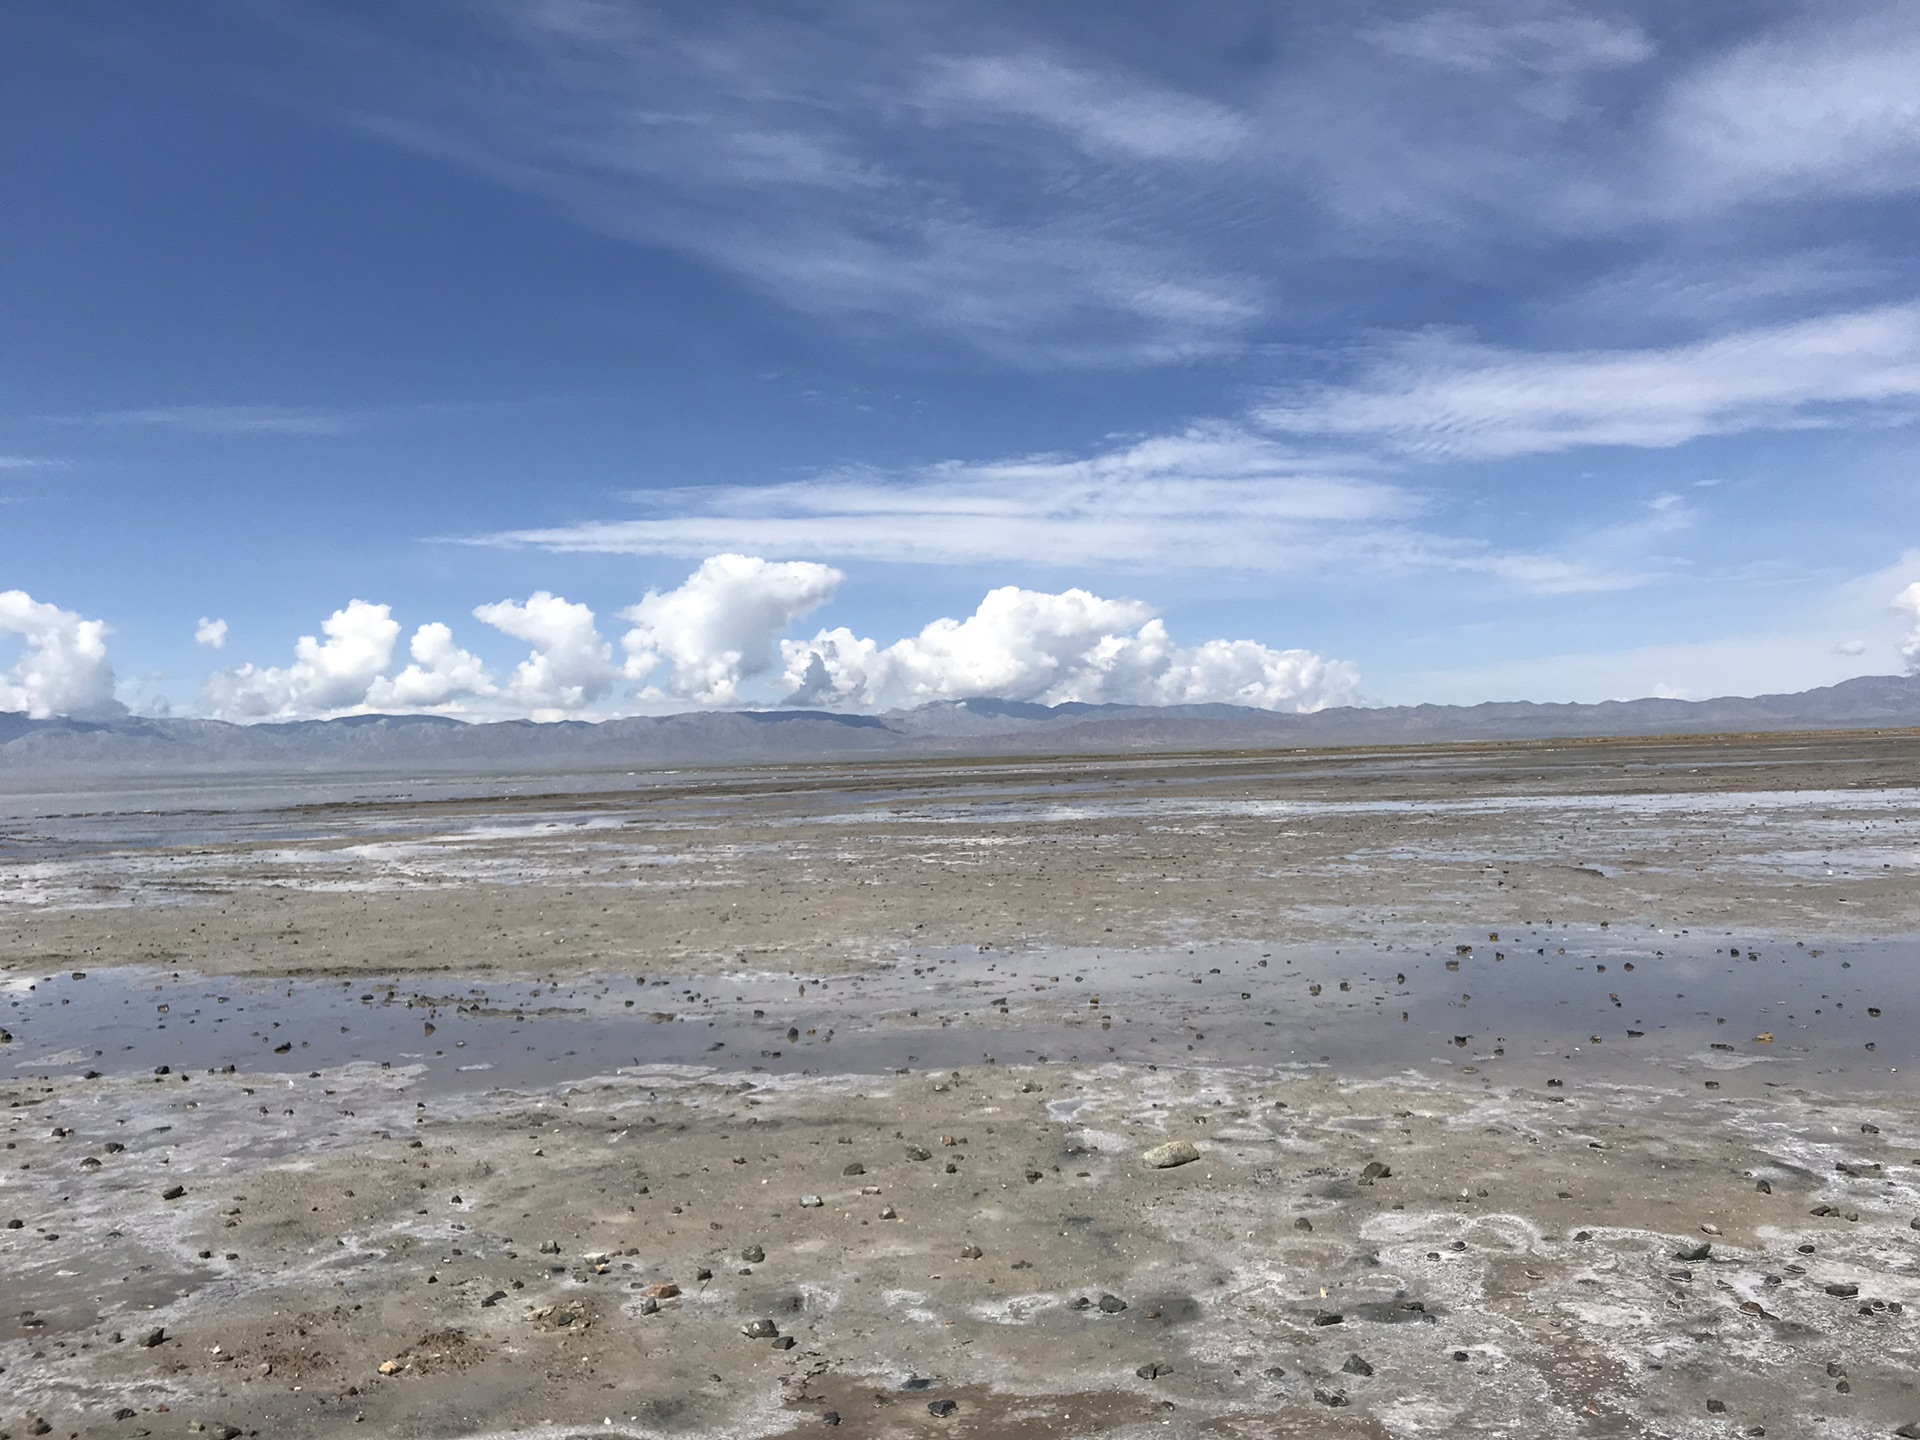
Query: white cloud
(1213, 497)
(1907, 603)
(819, 164)
(210, 633)
(234, 420)
(571, 666)
(719, 628)
(1052, 648)
(723, 629)
(328, 676)
(1542, 56)
(64, 668)
(1827, 106)
(440, 675)
(1103, 114)
(1440, 397)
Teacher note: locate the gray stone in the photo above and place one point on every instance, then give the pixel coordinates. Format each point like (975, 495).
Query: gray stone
(753, 1254)
(760, 1329)
(1174, 1152)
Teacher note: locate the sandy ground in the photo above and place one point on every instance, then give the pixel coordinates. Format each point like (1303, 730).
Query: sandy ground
(830, 868)
(1397, 1240)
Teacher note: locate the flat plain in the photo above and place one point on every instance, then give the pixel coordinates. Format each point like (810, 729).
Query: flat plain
(1542, 1089)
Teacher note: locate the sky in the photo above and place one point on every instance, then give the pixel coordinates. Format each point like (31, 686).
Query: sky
(574, 358)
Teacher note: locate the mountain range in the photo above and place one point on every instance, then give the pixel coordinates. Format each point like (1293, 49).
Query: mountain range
(981, 726)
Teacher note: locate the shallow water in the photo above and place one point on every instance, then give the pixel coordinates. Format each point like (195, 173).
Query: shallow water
(1550, 1003)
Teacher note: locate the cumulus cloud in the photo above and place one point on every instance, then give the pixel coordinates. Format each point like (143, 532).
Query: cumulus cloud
(63, 669)
(719, 639)
(1907, 603)
(719, 628)
(327, 676)
(352, 671)
(1053, 648)
(571, 666)
(440, 674)
(210, 633)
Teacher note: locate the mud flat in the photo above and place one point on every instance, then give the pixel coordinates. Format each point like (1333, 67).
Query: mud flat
(1558, 1090)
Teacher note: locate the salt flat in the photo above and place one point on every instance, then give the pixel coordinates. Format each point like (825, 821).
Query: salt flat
(1474, 1044)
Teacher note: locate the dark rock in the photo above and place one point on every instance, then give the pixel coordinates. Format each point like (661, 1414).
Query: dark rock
(753, 1254)
(1716, 1407)
(1334, 1398)
(1694, 1252)
(154, 1336)
(1843, 1291)
(1302, 1223)
(1111, 1304)
(173, 1192)
(915, 1152)
(760, 1330)
(1356, 1366)
(940, 1409)
(1329, 1317)
(856, 1168)
(784, 1342)
(832, 1417)
(1153, 1371)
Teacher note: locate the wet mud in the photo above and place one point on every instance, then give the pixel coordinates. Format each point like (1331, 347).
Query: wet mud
(1627, 1147)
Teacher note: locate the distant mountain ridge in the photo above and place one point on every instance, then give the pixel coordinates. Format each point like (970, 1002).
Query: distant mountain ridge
(983, 726)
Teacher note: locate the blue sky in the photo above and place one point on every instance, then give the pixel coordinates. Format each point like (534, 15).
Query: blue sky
(1289, 354)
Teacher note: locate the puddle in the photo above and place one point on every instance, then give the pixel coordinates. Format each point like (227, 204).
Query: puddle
(1567, 1002)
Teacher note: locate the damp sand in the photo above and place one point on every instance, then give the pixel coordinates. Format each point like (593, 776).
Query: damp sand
(1534, 1091)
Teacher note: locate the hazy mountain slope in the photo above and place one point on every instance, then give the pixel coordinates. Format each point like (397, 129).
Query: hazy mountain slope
(982, 726)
